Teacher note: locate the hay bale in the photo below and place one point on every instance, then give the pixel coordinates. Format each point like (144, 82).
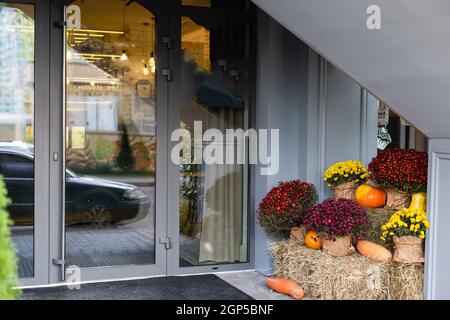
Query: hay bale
(345, 278)
(406, 281)
(377, 217)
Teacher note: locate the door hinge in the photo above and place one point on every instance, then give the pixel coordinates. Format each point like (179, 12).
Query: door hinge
(59, 262)
(166, 241)
(167, 73)
(168, 42)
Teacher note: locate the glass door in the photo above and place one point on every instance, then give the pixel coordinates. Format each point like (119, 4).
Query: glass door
(210, 183)
(23, 129)
(113, 223)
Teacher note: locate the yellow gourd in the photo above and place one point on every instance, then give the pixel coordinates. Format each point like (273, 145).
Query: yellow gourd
(419, 201)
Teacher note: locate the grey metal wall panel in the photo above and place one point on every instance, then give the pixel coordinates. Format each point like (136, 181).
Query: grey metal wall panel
(281, 104)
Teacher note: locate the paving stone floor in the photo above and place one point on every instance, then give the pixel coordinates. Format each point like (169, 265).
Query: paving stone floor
(252, 283)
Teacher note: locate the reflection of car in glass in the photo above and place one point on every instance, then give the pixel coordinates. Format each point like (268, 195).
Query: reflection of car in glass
(88, 199)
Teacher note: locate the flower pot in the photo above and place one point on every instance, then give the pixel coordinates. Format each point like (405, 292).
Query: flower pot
(396, 199)
(340, 248)
(408, 250)
(344, 191)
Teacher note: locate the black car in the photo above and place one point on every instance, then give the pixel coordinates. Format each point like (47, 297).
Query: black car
(88, 199)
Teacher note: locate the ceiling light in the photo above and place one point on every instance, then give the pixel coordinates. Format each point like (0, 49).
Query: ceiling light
(152, 60)
(124, 56)
(96, 31)
(145, 71)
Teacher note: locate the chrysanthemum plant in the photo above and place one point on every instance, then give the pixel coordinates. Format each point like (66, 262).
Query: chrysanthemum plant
(284, 206)
(336, 218)
(403, 170)
(406, 222)
(347, 171)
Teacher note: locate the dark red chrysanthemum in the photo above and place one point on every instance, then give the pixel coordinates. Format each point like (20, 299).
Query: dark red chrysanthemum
(284, 206)
(335, 218)
(404, 170)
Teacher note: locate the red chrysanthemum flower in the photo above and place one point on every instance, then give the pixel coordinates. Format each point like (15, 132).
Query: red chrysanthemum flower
(284, 206)
(404, 170)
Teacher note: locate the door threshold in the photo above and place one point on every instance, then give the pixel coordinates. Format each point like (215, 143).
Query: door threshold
(61, 284)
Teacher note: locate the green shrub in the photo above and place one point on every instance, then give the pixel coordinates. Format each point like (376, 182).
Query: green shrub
(8, 261)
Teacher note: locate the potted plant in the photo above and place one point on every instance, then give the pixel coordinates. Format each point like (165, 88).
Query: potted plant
(401, 173)
(336, 221)
(344, 177)
(407, 229)
(284, 206)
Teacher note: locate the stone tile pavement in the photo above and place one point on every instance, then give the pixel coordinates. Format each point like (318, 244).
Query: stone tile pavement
(252, 283)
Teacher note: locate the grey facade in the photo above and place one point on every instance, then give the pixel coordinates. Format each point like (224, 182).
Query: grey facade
(323, 116)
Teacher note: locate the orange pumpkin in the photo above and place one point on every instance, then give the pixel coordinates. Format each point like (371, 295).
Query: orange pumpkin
(312, 240)
(370, 197)
(286, 286)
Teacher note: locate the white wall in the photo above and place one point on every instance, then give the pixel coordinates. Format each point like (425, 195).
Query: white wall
(437, 276)
(319, 111)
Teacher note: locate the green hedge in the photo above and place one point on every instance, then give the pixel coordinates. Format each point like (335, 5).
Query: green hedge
(8, 261)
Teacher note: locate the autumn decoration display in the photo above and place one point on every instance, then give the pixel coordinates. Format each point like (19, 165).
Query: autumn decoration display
(285, 205)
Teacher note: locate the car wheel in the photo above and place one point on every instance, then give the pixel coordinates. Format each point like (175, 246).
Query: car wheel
(98, 216)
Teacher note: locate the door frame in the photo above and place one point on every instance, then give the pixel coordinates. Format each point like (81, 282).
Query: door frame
(57, 139)
(210, 17)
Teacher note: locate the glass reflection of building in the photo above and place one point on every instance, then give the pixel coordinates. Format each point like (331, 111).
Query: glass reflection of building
(16, 75)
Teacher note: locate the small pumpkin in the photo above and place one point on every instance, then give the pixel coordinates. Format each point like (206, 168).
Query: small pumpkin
(373, 251)
(368, 196)
(286, 286)
(419, 201)
(312, 240)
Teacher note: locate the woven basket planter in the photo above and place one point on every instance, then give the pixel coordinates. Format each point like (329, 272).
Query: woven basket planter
(408, 250)
(341, 247)
(344, 191)
(396, 199)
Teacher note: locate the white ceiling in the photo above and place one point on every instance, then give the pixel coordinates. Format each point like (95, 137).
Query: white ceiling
(406, 63)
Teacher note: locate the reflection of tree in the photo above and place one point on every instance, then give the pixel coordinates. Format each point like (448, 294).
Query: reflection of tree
(125, 159)
(189, 190)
